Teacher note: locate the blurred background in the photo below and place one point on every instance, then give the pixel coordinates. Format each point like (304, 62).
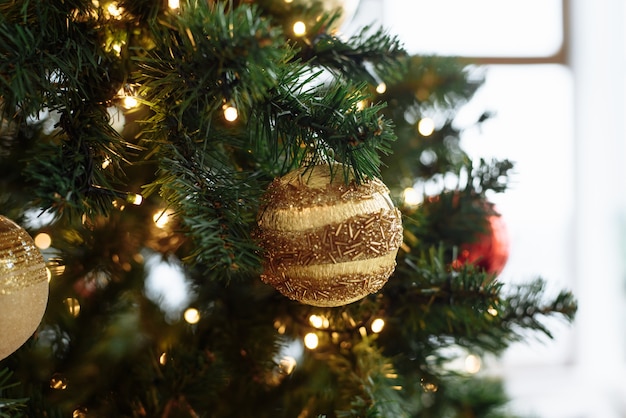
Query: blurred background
(556, 83)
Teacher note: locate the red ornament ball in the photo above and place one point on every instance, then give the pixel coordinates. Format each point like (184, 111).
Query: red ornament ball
(490, 250)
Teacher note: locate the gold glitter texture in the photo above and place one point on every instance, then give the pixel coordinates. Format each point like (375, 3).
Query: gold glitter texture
(327, 243)
(23, 287)
(21, 263)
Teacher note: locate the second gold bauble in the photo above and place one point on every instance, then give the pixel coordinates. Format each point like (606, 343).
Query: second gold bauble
(23, 286)
(325, 242)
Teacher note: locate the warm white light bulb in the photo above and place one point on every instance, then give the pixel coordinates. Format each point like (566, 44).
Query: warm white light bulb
(311, 341)
(299, 28)
(411, 197)
(316, 320)
(162, 217)
(230, 113)
(135, 199)
(287, 364)
(381, 88)
(114, 10)
(377, 325)
(472, 364)
(173, 4)
(192, 316)
(130, 102)
(43, 241)
(426, 126)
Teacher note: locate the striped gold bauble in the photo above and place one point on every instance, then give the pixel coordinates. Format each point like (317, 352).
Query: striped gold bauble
(325, 242)
(23, 286)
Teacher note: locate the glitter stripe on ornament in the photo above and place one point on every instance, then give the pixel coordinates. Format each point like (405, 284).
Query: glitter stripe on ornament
(329, 274)
(21, 263)
(303, 218)
(356, 238)
(336, 284)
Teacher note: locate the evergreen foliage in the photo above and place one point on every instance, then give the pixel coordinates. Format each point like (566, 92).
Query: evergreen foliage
(64, 65)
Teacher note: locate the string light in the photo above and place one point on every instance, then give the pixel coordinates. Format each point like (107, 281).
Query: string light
(115, 11)
(43, 241)
(411, 197)
(426, 126)
(381, 88)
(311, 341)
(287, 365)
(162, 217)
(319, 321)
(230, 113)
(130, 102)
(107, 161)
(117, 47)
(428, 387)
(377, 325)
(173, 4)
(134, 198)
(299, 28)
(472, 364)
(316, 321)
(192, 316)
(280, 327)
(163, 359)
(492, 311)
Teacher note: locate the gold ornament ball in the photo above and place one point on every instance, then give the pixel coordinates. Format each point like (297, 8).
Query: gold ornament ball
(23, 286)
(346, 9)
(328, 243)
(290, 11)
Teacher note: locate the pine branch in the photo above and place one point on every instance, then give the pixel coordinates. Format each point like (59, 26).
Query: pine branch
(10, 407)
(204, 57)
(435, 82)
(527, 305)
(322, 123)
(372, 57)
(52, 61)
(439, 305)
(77, 169)
(461, 396)
(217, 207)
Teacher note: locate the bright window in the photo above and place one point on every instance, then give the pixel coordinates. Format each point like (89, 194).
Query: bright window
(484, 28)
(555, 72)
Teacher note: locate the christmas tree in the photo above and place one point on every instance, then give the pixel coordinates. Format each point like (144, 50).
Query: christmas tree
(242, 146)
